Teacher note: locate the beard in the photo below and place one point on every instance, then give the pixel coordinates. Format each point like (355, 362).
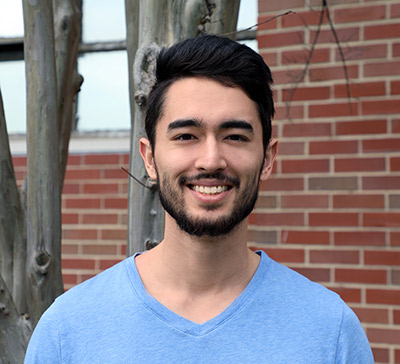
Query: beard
(173, 202)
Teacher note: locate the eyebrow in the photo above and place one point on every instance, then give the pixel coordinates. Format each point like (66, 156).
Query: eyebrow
(229, 124)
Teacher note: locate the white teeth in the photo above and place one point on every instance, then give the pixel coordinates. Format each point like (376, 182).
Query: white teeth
(210, 190)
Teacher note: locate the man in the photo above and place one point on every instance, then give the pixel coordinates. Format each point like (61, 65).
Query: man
(201, 296)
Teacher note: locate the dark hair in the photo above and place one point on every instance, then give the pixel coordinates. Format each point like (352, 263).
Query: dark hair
(217, 58)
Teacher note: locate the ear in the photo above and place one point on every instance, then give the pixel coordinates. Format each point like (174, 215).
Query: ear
(269, 159)
(148, 158)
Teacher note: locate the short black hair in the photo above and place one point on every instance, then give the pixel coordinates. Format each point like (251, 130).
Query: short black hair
(221, 59)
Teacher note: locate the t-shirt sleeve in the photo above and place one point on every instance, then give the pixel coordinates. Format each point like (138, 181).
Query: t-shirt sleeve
(353, 346)
(44, 346)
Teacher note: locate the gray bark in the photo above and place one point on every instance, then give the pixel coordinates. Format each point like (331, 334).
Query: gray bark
(30, 219)
(152, 24)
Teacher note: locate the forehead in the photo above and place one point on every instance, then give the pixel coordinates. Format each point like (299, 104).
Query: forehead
(208, 101)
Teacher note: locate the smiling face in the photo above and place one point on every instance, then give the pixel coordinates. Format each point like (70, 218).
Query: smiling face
(208, 156)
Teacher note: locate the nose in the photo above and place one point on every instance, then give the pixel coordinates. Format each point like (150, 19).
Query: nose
(210, 157)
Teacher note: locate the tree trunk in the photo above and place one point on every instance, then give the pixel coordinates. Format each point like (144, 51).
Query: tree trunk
(30, 220)
(152, 24)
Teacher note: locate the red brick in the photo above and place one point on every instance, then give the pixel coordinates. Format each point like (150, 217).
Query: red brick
(334, 256)
(101, 159)
(82, 174)
(305, 237)
(396, 317)
(280, 39)
(116, 203)
(344, 34)
(394, 201)
(396, 50)
(77, 263)
(301, 56)
(306, 129)
(289, 112)
(380, 107)
(116, 173)
(395, 11)
(114, 234)
(372, 315)
(74, 160)
(395, 276)
(291, 76)
(386, 335)
(305, 166)
(378, 257)
(359, 164)
(332, 110)
(361, 127)
(395, 164)
(377, 276)
(282, 184)
(381, 183)
(333, 147)
(99, 249)
(69, 249)
(83, 203)
(381, 145)
(282, 4)
(358, 14)
(382, 31)
(70, 279)
(359, 201)
(271, 59)
(277, 219)
(100, 188)
(79, 234)
(314, 274)
(266, 23)
(397, 356)
(266, 202)
(286, 255)
(291, 148)
(303, 19)
(332, 183)
(381, 355)
(390, 219)
(317, 74)
(261, 236)
(363, 52)
(348, 294)
(108, 263)
(360, 89)
(333, 219)
(19, 161)
(100, 218)
(382, 69)
(395, 88)
(70, 188)
(308, 93)
(395, 238)
(70, 218)
(360, 238)
(396, 126)
(304, 201)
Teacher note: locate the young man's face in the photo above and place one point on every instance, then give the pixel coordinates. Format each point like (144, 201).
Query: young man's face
(208, 156)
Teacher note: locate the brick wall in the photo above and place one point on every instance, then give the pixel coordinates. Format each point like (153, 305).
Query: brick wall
(332, 209)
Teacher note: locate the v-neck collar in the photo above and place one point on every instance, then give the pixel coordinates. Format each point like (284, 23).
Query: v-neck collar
(182, 324)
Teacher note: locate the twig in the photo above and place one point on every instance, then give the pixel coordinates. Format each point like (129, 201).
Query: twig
(136, 179)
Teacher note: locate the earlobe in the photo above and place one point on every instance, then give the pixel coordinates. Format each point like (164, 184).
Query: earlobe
(269, 159)
(146, 152)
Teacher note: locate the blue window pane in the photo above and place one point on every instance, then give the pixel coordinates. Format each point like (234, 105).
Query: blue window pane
(104, 97)
(12, 83)
(103, 20)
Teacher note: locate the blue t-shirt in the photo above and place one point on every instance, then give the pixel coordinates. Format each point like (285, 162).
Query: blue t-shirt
(281, 317)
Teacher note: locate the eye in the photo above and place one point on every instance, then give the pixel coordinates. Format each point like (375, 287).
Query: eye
(184, 137)
(237, 137)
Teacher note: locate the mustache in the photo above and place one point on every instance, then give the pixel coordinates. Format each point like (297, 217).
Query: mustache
(215, 176)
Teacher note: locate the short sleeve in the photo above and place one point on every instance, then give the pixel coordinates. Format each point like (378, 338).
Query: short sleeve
(353, 346)
(44, 345)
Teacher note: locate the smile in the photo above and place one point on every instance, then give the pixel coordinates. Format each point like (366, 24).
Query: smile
(207, 190)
